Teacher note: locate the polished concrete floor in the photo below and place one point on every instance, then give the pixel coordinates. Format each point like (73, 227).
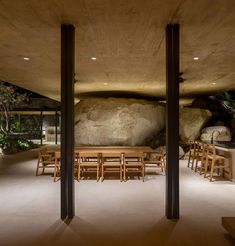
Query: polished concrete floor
(110, 212)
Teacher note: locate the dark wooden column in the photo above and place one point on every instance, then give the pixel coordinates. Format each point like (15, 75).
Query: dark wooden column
(172, 121)
(56, 126)
(67, 120)
(41, 125)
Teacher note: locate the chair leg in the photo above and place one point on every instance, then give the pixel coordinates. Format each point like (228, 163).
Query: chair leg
(212, 170)
(230, 168)
(189, 158)
(120, 172)
(124, 173)
(202, 165)
(193, 161)
(43, 169)
(102, 173)
(98, 170)
(222, 169)
(79, 173)
(37, 169)
(161, 164)
(196, 164)
(55, 174)
(143, 172)
(206, 167)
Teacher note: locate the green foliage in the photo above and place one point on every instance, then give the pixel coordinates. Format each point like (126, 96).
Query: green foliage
(13, 144)
(9, 99)
(2, 138)
(14, 125)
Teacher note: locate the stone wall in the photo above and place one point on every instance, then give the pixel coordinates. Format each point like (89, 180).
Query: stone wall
(115, 121)
(192, 120)
(216, 133)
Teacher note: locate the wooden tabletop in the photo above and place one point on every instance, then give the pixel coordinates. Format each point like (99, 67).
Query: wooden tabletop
(108, 149)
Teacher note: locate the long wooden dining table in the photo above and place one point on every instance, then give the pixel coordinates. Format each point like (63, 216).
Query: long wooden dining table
(108, 149)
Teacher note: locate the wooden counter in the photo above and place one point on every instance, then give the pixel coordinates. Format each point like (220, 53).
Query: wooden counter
(228, 151)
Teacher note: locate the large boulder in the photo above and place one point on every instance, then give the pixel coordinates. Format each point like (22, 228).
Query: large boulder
(232, 125)
(192, 120)
(181, 151)
(115, 121)
(218, 133)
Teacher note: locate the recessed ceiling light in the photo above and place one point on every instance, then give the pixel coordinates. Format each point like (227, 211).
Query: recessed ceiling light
(26, 58)
(195, 58)
(105, 83)
(213, 83)
(93, 58)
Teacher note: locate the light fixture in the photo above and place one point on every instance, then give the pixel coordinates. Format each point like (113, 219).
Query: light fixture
(195, 58)
(26, 58)
(213, 83)
(105, 83)
(93, 58)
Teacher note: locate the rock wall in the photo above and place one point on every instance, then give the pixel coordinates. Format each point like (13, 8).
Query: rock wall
(218, 133)
(115, 121)
(192, 120)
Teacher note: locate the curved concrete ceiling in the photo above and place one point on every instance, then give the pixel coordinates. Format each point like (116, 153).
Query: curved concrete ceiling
(128, 40)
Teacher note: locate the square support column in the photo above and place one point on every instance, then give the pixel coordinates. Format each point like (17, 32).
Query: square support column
(67, 121)
(41, 126)
(56, 127)
(172, 121)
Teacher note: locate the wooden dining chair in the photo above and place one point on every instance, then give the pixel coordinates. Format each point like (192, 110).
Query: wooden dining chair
(203, 159)
(57, 166)
(193, 152)
(200, 155)
(133, 162)
(155, 158)
(45, 160)
(88, 162)
(111, 162)
(216, 162)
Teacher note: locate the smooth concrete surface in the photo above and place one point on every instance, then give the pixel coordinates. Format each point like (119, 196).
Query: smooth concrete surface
(110, 212)
(128, 40)
(229, 225)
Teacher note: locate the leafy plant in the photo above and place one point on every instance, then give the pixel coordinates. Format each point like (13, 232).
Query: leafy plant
(9, 99)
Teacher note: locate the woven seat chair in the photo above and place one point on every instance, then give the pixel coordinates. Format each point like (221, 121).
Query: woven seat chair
(133, 162)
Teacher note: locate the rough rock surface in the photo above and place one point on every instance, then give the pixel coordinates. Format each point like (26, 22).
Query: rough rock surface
(232, 125)
(192, 120)
(181, 151)
(219, 133)
(115, 121)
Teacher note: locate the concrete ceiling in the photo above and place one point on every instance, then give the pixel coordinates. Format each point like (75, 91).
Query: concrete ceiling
(128, 40)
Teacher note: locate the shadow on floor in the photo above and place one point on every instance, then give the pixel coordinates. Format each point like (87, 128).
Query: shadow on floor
(80, 232)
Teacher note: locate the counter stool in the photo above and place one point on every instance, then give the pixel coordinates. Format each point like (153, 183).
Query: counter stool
(192, 153)
(216, 162)
(200, 155)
